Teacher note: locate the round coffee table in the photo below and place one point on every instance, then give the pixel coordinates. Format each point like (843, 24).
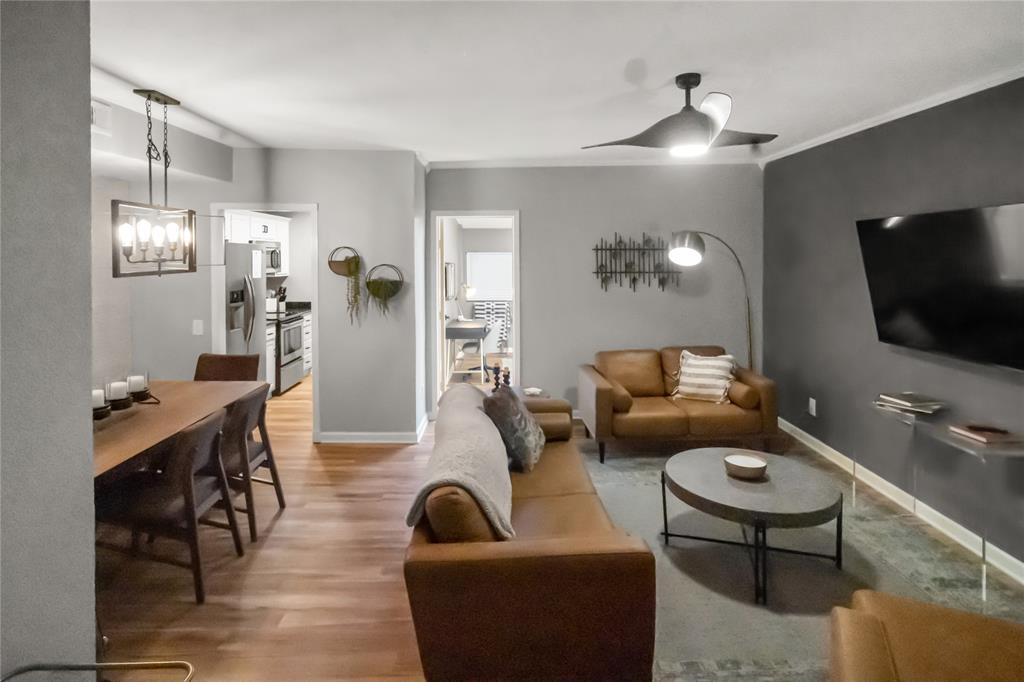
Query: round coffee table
(791, 495)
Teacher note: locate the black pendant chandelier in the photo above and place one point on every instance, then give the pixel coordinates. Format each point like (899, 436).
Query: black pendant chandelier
(153, 239)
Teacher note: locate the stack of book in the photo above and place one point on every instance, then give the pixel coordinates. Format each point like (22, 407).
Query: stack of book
(908, 402)
(987, 434)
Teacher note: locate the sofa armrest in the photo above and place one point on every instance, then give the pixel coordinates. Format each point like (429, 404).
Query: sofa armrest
(558, 608)
(547, 405)
(859, 649)
(595, 401)
(765, 388)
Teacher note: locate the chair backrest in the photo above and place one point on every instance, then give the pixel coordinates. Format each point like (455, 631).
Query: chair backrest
(196, 448)
(213, 367)
(243, 418)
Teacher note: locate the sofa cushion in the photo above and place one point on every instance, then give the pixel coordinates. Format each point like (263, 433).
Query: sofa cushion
(639, 371)
(718, 419)
(537, 405)
(560, 471)
(858, 649)
(555, 425)
(744, 396)
(455, 516)
(705, 378)
(930, 642)
(650, 418)
(670, 362)
(522, 435)
(559, 516)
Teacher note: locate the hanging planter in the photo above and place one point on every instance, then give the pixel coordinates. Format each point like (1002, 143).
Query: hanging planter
(383, 288)
(346, 262)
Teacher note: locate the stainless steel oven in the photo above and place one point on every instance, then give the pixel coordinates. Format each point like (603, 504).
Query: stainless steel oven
(290, 341)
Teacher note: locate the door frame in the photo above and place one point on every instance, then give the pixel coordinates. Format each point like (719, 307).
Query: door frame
(436, 328)
(217, 282)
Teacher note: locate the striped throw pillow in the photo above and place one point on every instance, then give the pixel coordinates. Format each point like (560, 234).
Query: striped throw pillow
(704, 377)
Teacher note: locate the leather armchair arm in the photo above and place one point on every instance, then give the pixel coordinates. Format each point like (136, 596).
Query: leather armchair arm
(595, 401)
(765, 388)
(858, 648)
(559, 608)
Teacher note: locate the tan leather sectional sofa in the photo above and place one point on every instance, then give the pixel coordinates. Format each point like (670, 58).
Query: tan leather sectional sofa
(884, 638)
(626, 395)
(570, 597)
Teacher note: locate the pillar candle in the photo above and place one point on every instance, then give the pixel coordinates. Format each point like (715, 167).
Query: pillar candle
(118, 390)
(98, 399)
(136, 383)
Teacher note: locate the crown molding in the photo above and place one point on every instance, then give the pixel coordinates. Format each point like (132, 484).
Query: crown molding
(577, 163)
(991, 81)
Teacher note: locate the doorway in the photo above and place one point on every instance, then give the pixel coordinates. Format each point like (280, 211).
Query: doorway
(287, 307)
(476, 302)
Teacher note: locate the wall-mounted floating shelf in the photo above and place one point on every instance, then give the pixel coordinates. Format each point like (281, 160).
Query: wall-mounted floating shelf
(630, 262)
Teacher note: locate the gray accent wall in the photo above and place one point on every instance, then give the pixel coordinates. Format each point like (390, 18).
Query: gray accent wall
(369, 374)
(820, 336)
(47, 566)
(566, 316)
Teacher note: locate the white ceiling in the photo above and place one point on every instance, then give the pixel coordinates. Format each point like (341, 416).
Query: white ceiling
(497, 82)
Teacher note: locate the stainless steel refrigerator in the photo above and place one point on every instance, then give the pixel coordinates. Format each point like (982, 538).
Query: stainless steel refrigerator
(246, 301)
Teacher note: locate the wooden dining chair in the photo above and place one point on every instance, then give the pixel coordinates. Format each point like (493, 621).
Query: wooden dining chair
(214, 367)
(244, 454)
(172, 502)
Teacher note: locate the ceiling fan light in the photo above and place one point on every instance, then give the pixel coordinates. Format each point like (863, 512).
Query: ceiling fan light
(688, 151)
(686, 248)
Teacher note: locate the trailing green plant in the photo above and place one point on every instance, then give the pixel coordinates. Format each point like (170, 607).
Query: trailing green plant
(355, 289)
(383, 289)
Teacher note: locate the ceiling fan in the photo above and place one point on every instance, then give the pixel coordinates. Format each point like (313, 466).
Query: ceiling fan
(693, 131)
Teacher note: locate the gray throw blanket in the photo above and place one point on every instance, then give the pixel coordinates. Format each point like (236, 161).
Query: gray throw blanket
(468, 453)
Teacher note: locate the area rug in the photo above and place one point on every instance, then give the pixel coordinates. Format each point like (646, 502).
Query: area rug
(709, 627)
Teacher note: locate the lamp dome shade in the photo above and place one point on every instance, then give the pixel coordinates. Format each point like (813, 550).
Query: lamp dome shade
(686, 248)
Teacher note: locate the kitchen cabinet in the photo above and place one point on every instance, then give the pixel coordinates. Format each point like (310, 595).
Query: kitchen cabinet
(271, 357)
(307, 343)
(236, 227)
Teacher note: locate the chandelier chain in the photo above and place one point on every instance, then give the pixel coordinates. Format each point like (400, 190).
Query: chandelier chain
(151, 149)
(166, 152)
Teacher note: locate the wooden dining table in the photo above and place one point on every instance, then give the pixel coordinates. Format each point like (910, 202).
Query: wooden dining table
(127, 434)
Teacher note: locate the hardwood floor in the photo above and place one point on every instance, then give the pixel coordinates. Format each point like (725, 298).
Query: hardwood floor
(320, 596)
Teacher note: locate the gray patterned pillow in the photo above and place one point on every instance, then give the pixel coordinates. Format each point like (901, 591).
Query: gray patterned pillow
(520, 432)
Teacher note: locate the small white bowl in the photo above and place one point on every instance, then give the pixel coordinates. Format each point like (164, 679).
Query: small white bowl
(744, 466)
(533, 391)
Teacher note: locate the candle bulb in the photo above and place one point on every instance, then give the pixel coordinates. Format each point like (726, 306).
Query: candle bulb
(98, 397)
(136, 383)
(117, 390)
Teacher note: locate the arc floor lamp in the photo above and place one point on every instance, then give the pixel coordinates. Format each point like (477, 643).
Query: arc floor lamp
(686, 248)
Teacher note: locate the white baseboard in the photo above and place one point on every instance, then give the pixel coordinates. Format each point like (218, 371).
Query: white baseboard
(422, 427)
(970, 540)
(369, 437)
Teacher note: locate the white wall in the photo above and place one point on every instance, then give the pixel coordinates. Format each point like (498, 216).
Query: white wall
(47, 561)
(368, 200)
(566, 316)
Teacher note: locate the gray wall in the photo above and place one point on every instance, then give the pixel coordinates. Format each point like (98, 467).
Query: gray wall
(159, 310)
(566, 316)
(47, 566)
(111, 298)
(367, 200)
(820, 337)
(486, 240)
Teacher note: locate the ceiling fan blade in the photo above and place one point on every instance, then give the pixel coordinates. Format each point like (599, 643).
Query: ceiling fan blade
(717, 106)
(661, 134)
(729, 138)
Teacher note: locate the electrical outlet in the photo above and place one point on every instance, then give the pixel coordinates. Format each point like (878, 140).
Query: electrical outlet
(197, 327)
(812, 407)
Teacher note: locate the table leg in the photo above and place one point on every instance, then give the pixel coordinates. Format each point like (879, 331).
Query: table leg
(764, 563)
(664, 508)
(757, 565)
(839, 535)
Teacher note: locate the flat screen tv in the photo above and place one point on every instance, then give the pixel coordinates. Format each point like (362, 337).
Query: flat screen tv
(949, 282)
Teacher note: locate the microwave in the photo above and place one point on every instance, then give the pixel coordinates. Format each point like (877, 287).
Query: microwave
(271, 258)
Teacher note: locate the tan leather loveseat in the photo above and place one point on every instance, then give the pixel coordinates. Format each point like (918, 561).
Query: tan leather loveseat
(626, 395)
(571, 597)
(884, 638)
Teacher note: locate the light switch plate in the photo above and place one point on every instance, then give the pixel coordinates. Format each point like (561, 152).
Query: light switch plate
(812, 407)
(197, 327)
